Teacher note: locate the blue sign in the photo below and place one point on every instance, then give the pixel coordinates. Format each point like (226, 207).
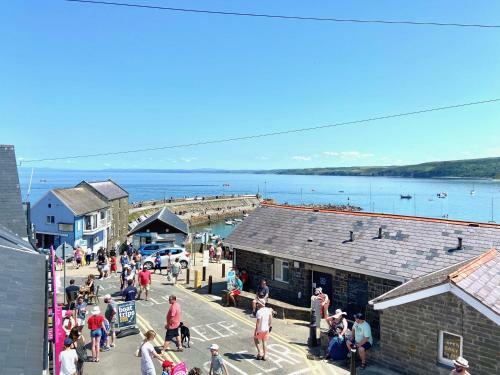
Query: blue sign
(126, 314)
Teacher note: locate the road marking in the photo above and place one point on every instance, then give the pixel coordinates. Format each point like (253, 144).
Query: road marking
(253, 361)
(250, 324)
(145, 329)
(157, 340)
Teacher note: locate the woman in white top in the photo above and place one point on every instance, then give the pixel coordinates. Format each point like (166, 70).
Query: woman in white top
(147, 353)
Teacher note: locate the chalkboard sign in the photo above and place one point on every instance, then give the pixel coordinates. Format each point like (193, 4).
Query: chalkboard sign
(126, 314)
(357, 295)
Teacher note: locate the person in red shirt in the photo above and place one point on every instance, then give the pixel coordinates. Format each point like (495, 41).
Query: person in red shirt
(172, 324)
(113, 265)
(96, 327)
(144, 282)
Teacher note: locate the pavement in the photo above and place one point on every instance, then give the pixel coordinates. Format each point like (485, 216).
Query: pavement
(209, 322)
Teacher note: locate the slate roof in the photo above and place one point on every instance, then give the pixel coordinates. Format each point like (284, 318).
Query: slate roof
(479, 277)
(109, 189)
(11, 210)
(22, 301)
(164, 215)
(410, 246)
(80, 200)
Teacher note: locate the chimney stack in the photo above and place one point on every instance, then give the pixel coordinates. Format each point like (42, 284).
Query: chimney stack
(379, 233)
(351, 236)
(460, 245)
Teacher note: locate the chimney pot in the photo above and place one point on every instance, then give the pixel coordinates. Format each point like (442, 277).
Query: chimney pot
(460, 245)
(351, 236)
(379, 233)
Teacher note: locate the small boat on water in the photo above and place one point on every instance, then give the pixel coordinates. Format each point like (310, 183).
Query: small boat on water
(341, 191)
(229, 222)
(237, 220)
(43, 180)
(245, 215)
(442, 195)
(405, 196)
(215, 237)
(473, 191)
(226, 185)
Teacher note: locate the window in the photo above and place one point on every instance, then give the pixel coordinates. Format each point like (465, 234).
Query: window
(103, 215)
(281, 270)
(50, 205)
(450, 347)
(65, 227)
(50, 220)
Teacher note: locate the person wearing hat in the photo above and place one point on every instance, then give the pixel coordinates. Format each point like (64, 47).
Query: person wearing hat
(96, 326)
(167, 367)
(263, 327)
(337, 349)
(68, 358)
(110, 315)
(461, 364)
(338, 323)
(125, 275)
(217, 365)
(361, 337)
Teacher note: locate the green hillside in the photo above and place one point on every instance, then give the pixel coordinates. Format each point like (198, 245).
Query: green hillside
(472, 168)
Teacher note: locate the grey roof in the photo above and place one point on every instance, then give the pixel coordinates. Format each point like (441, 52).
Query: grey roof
(164, 215)
(109, 189)
(11, 210)
(22, 301)
(479, 277)
(80, 200)
(410, 247)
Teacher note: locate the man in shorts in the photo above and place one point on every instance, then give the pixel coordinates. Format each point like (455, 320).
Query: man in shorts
(172, 324)
(144, 282)
(361, 337)
(110, 315)
(262, 328)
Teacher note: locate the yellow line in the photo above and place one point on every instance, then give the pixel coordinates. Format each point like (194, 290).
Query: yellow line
(248, 323)
(145, 328)
(170, 355)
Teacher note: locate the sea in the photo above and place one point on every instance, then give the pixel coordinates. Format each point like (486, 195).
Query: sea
(470, 200)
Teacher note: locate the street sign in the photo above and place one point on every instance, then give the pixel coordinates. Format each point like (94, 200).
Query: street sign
(126, 314)
(230, 280)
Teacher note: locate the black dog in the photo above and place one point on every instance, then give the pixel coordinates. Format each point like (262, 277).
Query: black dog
(185, 336)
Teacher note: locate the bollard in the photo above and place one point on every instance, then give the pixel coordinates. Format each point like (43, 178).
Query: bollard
(197, 279)
(223, 269)
(210, 284)
(353, 360)
(204, 277)
(187, 276)
(313, 340)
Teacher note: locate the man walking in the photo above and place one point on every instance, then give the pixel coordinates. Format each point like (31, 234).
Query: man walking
(262, 328)
(172, 324)
(144, 282)
(110, 315)
(176, 270)
(129, 292)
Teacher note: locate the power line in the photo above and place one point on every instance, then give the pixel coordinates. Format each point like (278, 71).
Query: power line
(262, 135)
(277, 16)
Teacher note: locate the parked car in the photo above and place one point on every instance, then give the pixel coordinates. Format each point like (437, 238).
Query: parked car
(150, 248)
(168, 257)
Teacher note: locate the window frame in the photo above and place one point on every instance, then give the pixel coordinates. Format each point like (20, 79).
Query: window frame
(50, 219)
(441, 359)
(279, 265)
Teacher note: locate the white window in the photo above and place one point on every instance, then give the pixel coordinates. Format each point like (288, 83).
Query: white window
(450, 347)
(50, 220)
(103, 215)
(281, 270)
(78, 225)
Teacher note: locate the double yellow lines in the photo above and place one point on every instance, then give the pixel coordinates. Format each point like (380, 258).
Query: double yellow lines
(144, 326)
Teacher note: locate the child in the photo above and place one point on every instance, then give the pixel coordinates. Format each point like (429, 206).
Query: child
(217, 365)
(113, 265)
(158, 263)
(167, 367)
(104, 337)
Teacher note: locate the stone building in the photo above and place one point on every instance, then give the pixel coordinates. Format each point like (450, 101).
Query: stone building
(354, 256)
(117, 199)
(429, 321)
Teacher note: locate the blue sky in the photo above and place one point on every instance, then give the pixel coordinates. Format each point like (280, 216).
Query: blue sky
(82, 78)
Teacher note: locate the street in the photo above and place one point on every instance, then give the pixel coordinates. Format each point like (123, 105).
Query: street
(209, 322)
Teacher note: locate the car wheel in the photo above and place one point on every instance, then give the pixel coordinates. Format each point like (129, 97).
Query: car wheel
(184, 264)
(148, 265)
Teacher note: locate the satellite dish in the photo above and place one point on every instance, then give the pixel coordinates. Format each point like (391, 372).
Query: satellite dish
(68, 250)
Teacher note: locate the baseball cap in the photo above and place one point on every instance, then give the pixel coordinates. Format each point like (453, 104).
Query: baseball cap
(167, 364)
(214, 347)
(68, 341)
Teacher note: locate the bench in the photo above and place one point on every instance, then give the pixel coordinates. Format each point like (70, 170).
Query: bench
(283, 310)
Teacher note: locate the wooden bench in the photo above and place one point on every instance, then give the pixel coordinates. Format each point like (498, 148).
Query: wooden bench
(283, 310)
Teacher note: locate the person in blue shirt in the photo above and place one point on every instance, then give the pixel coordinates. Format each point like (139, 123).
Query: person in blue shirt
(157, 263)
(235, 290)
(129, 292)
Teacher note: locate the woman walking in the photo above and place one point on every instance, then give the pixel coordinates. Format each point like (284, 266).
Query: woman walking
(147, 353)
(96, 327)
(79, 346)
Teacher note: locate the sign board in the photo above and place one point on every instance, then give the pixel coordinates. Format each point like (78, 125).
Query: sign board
(180, 369)
(206, 258)
(230, 279)
(126, 314)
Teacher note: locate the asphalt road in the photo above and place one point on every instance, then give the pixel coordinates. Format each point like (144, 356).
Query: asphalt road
(209, 322)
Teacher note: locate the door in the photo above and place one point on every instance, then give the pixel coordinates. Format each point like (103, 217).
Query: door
(323, 280)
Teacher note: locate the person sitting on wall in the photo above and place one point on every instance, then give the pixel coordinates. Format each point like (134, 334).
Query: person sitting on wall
(337, 349)
(461, 364)
(361, 337)
(235, 290)
(261, 295)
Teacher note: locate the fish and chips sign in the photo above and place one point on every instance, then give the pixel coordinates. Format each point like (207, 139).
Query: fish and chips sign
(126, 314)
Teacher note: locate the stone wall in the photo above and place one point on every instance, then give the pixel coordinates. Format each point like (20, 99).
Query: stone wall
(119, 224)
(410, 334)
(260, 266)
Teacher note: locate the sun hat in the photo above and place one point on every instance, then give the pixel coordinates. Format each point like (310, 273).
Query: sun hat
(126, 266)
(107, 296)
(68, 341)
(96, 310)
(213, 347)
(462, 362)
(339, 313)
